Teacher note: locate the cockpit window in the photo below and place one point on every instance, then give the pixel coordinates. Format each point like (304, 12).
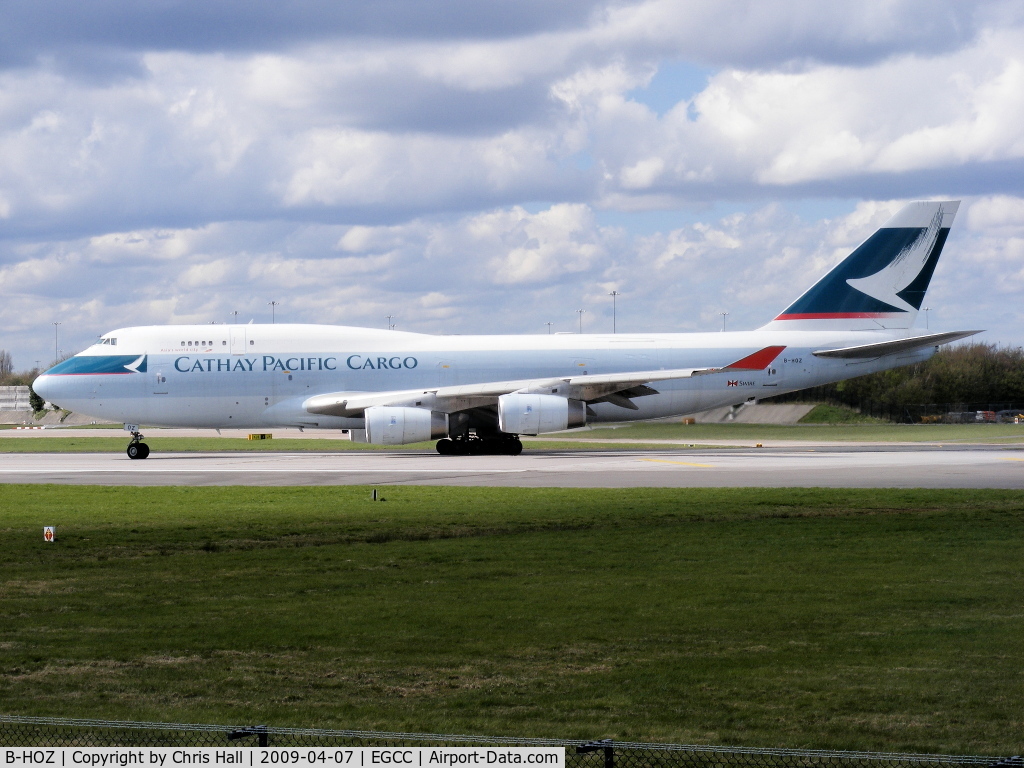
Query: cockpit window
(112, 342)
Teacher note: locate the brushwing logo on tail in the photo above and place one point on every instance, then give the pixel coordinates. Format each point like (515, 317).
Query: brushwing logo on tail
(886, 284)
(883, 282)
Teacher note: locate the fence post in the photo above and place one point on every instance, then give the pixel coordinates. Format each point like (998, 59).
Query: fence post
(602, 744)
(259, 731)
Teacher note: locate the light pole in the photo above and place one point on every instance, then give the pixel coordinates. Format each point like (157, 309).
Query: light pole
(273, 313)
(391, 326)
(926, 311)
(613, 294)
(55, 350)
(580, 313)
(549, 327)
(723, 314)
(234, 317)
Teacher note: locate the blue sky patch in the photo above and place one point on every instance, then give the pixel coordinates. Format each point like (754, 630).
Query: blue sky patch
(675, 81)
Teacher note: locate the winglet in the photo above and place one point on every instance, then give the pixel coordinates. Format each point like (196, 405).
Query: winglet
(757, 361)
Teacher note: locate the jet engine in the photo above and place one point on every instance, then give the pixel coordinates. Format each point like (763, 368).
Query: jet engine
(536, 414)
(389, 425)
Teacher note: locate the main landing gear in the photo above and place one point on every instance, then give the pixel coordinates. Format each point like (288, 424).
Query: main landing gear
(136, 448)
(477, 446)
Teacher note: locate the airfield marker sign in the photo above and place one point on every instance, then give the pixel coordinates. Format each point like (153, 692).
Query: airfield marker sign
(50, 533)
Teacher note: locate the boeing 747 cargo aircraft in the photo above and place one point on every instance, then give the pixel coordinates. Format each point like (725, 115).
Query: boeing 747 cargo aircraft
(478, 394)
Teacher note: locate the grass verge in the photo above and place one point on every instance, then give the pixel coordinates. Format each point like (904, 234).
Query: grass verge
(824, 413)
(860, 619)
(883, 433)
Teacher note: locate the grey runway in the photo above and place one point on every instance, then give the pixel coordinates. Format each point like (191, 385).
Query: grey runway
(827, 466)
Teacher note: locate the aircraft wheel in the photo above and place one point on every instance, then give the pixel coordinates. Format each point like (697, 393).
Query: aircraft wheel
(134, 451)
(515, 447)
(145, 451)
(446, 446)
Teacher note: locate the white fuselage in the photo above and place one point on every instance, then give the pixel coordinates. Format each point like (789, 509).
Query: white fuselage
(256, 376)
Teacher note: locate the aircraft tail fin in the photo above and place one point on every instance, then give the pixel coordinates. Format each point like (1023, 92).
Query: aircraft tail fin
(883, 282)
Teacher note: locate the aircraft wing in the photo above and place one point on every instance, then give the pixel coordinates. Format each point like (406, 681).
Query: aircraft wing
(893, 347)
(590, 388)
(615, 388)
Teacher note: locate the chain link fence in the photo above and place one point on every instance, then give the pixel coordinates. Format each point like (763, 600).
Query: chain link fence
(59, 732)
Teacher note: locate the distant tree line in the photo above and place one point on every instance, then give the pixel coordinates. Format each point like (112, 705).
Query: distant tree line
(11, 378)
(964, 374)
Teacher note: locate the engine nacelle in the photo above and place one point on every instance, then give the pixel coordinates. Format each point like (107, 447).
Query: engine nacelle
(536, 414)
(388, 425)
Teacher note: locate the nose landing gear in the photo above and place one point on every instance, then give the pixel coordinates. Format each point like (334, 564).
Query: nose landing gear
(136, 448)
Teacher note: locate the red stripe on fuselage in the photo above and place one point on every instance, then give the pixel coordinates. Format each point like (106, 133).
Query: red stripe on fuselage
(757, 361)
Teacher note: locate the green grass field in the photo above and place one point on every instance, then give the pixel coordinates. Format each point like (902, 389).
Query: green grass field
(787, 617)
(854, 432)
(824, 413)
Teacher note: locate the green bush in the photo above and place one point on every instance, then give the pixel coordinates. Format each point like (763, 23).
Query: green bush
(37, 403)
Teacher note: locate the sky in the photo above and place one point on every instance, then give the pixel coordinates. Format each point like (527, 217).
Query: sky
(493, 167)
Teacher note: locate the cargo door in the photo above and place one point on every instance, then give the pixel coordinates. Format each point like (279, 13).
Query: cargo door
(158, 376)
(446, 373)
(238, 334)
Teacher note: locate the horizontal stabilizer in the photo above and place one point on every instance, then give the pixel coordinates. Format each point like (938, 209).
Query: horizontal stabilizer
(896, 346)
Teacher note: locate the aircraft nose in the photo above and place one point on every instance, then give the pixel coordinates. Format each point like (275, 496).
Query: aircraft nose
(48, 388)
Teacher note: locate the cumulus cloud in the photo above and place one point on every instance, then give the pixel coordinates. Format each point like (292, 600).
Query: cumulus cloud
(62, 28)
(388, 127)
